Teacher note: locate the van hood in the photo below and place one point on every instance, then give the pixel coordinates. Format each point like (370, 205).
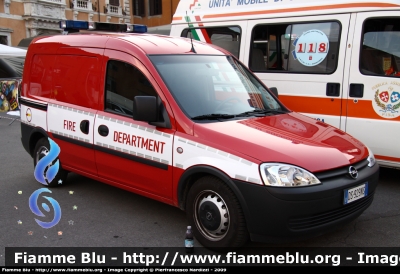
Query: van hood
(290, 138)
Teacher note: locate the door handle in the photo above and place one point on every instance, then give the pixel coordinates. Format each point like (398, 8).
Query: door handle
(332, 89)
(103, 130)
(356, 90)
(84, 126)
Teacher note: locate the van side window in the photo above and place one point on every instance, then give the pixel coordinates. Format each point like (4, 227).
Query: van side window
(298, 48)
(224, 37)
(123, 83)
(380, 50)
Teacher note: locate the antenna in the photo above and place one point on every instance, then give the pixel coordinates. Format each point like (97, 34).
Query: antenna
(191, 40)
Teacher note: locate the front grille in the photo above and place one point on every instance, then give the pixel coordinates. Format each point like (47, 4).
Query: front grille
(332, 215)
(340, 172)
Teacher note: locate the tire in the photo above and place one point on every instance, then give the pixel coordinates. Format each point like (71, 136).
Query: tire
(215, 215)
(42, 148)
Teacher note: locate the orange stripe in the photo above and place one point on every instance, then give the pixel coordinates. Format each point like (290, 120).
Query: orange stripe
(315, 8)
(178, 18)
(393, 159)
(364, 109)
(332, 106)
(192, 5)
(312, 104)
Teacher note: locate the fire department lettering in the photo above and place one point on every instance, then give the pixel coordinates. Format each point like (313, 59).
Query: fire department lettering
(139, 142)
(69, 125)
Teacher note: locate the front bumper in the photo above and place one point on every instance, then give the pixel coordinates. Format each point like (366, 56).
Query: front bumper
(277, 214)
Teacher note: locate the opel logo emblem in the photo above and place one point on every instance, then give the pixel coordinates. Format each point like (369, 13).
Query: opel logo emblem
(353, 172)
(209, 216)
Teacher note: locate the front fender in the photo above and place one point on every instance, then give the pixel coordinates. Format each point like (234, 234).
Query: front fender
(192, 174)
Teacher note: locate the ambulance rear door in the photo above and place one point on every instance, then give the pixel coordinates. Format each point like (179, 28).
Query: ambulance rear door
(373, 96)
(303, 58)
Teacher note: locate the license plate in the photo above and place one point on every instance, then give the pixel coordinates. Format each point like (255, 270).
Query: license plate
(355, 193)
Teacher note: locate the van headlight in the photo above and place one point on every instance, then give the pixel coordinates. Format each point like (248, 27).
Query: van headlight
(283, 175)
(371, 158)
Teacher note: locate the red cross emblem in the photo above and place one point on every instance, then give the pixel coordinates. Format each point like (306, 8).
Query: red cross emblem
(384, 96)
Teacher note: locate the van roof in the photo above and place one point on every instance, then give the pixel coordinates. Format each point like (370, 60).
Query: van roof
(148, 43)
(208, 11)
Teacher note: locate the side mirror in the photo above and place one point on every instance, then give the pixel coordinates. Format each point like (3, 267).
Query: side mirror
(150, 109)
(274, 90)
(145, 108)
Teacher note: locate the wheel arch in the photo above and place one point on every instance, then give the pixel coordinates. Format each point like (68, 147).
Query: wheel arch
(192, 174)
(36, 135)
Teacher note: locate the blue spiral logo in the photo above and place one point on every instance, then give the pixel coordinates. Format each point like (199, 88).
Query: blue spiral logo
(35, 209)
(45, 172)
(46, 163)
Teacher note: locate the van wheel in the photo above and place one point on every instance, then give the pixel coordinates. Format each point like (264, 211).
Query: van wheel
(42, 149)
(215, 214)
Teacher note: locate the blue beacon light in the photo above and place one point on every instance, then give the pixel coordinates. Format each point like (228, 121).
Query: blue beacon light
(75, 26)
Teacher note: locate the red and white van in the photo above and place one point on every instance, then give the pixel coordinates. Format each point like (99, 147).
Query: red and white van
(186, 123)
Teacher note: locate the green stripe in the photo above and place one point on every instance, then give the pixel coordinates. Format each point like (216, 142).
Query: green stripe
(273, 55)
(193, 31)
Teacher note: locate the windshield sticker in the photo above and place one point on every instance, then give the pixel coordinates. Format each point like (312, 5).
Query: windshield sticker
(311, 48)
(386, 101)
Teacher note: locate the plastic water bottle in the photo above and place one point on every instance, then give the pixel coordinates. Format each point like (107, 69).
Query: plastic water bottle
(189, 242)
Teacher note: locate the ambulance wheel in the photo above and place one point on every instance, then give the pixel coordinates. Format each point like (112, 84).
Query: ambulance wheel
(215, 215)
(42, 149)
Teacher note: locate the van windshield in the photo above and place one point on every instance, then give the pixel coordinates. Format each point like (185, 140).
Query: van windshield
(214, 86)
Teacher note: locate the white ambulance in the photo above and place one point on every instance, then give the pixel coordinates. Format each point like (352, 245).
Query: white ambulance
(336, 61)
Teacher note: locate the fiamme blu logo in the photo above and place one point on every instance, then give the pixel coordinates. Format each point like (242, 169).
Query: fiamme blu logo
(45, 171)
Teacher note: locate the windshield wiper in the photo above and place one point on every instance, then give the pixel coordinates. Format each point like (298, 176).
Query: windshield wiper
(262, 112)
(213, 116)
(216, 116)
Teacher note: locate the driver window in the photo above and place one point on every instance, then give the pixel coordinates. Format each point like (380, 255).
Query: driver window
(123, 83)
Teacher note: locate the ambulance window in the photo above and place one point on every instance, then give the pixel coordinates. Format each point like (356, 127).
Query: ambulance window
(224, 37)
(380, 50)
(123, 83)
(298, 48)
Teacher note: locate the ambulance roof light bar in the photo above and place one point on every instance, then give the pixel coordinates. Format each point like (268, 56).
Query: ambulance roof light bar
(70, 26)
